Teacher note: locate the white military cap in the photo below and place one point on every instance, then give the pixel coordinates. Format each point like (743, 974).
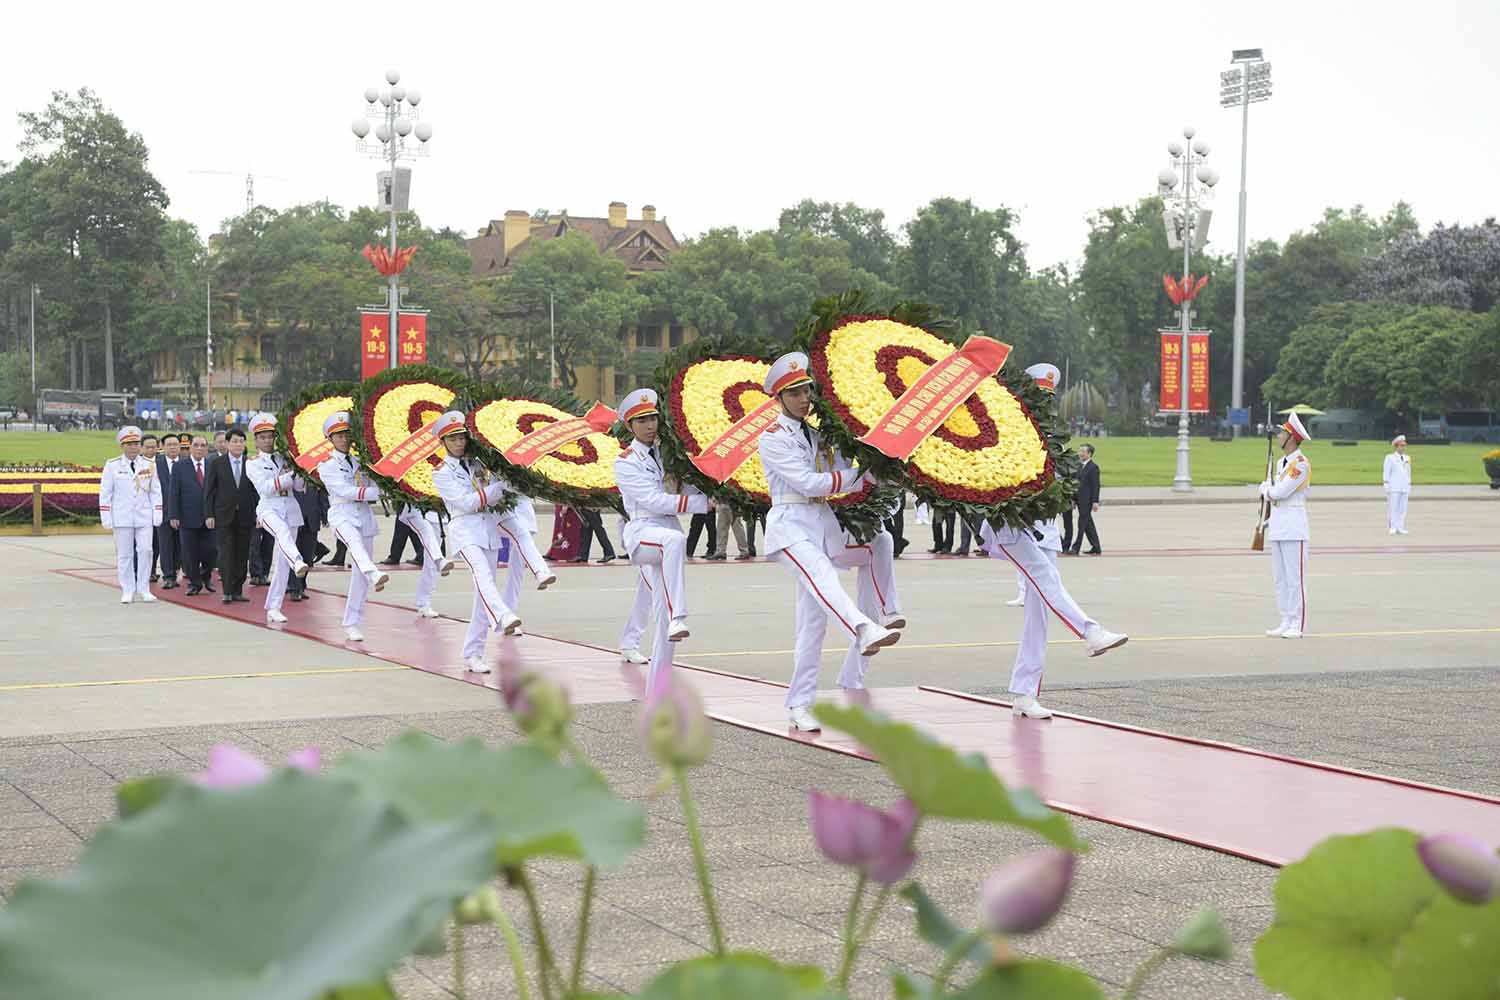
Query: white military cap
(262, 422)
(640, 403)
(1398, 439)
(790, 370)
(336, 422)
(452, 422)
(1046, 375)
(130, 432)
(1293, 426)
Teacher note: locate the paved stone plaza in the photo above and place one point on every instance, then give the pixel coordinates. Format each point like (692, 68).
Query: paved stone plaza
(1399, 675)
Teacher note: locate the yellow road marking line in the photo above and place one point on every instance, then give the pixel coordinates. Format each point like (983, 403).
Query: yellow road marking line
(198, 677)
(1135, 638)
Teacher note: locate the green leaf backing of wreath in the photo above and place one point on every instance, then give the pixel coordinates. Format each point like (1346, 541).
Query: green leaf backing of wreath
(363, 430)
(288, 413)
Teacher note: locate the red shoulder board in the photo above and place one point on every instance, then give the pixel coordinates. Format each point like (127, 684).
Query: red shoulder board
(772, 429)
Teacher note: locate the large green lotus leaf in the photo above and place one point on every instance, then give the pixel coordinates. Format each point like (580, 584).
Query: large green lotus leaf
(737, 976)
(1452, 952)
(1032, 980)
(284, 890)
(535, 805)
(934, 927)
(1339, 914)
(941, 782)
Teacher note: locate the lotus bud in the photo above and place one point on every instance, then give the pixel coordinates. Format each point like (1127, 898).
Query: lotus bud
(1204, 936)
(1465, 865)
(673, 725)
(1025, 894)
(231, 767)
(481, 906)
(856, 835)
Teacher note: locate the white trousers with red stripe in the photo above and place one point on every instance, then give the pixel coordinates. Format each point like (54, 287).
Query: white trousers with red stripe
(133, 558)
(282, 560)
(876, 596)
(820, 596)
(640, 613)
(524, 555)
(661, 555)
(1045, 595)
(432, 551)
(489, 608)
(1031, 657)
(1289, 570)
(359, 551)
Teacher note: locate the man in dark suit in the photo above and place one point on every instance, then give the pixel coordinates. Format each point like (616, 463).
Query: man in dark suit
(230, 498)
(166, 535)
(1087, 501)
(187, 514)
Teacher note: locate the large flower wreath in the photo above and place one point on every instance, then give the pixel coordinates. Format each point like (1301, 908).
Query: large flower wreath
(392, 406)
(1001, 456)
(299, 425)
(704, 388)
(579, 474)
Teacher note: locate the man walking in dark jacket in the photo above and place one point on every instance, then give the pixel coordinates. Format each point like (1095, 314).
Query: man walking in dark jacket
(1087, 501)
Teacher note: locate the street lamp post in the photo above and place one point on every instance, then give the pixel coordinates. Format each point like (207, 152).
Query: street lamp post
(552, 335)
(1248, 83)
(33, 353)
(395, 121)
(1186, 217)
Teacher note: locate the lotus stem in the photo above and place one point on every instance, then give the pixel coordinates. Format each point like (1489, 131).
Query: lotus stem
(700, 859)
(580, 946)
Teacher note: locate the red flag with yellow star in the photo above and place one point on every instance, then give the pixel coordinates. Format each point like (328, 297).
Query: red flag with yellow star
(413, 330)
(374, 343)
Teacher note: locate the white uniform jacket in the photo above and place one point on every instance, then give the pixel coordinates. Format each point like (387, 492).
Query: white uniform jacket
(276, 482)
(129, 499)
(1051, 534)
(1288, 495)
(349, 494)
(1397, 473)
(645, 496)
(802, 476)
(468, 495)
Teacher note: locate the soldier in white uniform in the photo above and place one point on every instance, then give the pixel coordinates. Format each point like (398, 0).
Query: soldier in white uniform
(640, 617)
(350, 495)
(519, 525)
(1034, 554)
(130, 505)
(434, 562)
(1397, 479)
(277, 511)
(1046, 376)
(803, 535)
(653, 539)
(1287, 530)
(469, 490)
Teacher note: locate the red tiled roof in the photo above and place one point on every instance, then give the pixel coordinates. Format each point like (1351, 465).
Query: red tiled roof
(488, 257)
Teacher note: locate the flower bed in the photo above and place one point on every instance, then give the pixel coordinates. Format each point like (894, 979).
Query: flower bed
(299, 426)
(392, 406)
(579, 474)
(70, 493)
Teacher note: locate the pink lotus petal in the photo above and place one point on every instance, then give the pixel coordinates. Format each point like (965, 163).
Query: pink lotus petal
(860, 836)
(1466, 866)
(1025, 894)
(231, 767)
(307, 759)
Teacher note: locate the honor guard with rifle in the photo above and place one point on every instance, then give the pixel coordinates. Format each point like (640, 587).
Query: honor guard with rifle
(1285, 493)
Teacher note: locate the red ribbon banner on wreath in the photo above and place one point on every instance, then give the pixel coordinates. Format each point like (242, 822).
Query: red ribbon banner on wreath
(397, 462)
(1170, 396)
(310, 459)
(931, 399)
(549, 437)
(733, 448)
(374, 342)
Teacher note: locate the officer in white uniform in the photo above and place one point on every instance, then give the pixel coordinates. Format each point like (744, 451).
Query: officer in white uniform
(519, 524)
(130, 505)
(640, 615)
(469, 490)
(1397, 479)
(350, 495)
(653, 539)
(434, 562)
(277, 511)
(1287, 530)
(803, 535)
(1046, 377)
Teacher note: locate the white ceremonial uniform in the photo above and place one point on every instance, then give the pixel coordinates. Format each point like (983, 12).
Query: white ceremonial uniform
(1287, 535)
(1051, 541)
(654, 542)
(468, 491)
(278, 513)
(130, 504)
(1397, 479)
(803, 535)
(519, 525)
(1036, 565)
(349, 498)
(425, 526)
(640, 610)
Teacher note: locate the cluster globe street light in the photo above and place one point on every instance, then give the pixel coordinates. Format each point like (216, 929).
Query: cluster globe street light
(399, 134)
(1186, 215)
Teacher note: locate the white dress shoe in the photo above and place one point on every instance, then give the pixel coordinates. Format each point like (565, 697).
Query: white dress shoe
(427, 612)
(1027, 706)
(1391, 532)
(126, 598)
(377, 580)
(803, 721)
(546, 581)
(896, 621)
(1019, 602)
(476, 665)
(1402, 531)
(275, 617)
(445, 566)
(1292, 633)
(147, 597)
(1101, 640)
(354, 635)
(510, 624)
(634, 656)
(678, 630)
(873, 638)
(301, 568)
(1277, 632)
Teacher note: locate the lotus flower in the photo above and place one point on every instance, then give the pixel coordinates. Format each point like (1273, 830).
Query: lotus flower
(1465, 865)
(1025, 894)
(231, 767)
(673, 724)
(877, 843)
(539, 706)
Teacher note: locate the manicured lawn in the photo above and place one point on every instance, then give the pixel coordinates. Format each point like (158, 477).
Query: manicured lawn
(1141, 461)
(78, 447)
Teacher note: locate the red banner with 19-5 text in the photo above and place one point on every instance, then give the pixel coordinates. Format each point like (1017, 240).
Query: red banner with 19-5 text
(1170, 397)
(375, 341)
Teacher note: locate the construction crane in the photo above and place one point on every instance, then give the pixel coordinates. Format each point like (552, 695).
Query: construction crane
(249, 182)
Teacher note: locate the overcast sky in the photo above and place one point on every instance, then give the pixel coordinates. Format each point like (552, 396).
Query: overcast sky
(722, 114)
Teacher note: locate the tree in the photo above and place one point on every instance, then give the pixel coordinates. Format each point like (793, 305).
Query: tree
(1457, 266)
(94, 210)
(169, 315)
(966, 261)
(871, 246)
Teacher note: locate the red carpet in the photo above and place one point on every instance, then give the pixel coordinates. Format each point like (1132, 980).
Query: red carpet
(1232, 799)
